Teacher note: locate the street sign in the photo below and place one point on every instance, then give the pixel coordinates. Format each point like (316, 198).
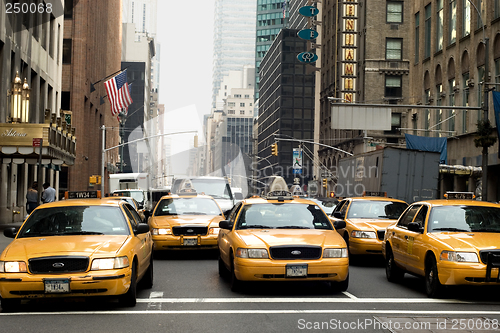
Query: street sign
(308, 34)
(308, 11)
(297, 161)
(307, 57)
(37, 142)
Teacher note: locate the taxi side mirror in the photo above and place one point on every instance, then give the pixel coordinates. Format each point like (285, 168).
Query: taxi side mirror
(338, 215)
(225, 225)
(339, 225)
(142, 229)
(10, 232)
(414, 226)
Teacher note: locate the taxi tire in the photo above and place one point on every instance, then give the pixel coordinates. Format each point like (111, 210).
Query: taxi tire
(392, 271)
(433, 287)
(236, 285)
(339, 286)
(10, 304)
(223, 271)
(148, 279)
(129, 299)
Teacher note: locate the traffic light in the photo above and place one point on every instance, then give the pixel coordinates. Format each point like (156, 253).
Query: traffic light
(325, 182)
(274, 149)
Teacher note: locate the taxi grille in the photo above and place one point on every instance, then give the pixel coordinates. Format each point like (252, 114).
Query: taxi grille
(295, 252)
(381, 234)
(61, 264)
(189, 231)
(495, 256)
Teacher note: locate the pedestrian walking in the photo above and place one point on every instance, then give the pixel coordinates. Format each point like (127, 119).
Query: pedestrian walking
(49, 193)
(32, 198)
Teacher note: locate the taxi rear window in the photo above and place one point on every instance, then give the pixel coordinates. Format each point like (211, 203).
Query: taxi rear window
(75, 220)
(464, 218)
(282, 216)
(375, 209)
(187, 206)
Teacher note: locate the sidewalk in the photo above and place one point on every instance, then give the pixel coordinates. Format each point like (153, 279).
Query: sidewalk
(4, 226)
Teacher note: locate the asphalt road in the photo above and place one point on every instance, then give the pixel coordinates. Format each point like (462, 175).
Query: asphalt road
(189, 296)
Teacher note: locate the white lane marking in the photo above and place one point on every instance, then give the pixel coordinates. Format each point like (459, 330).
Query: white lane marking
(322, 311)
(152, 305)
(349, 295)
(299, 300)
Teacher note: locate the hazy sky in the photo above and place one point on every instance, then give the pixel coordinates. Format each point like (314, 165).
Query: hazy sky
(185, 31)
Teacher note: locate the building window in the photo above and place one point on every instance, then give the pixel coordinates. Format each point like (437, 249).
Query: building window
(481, 5)
(452, 29)
(231, 104)
(393, 86)
(394, 12)
(417, 38)
(451, 101)
(480, 75)
(466, 18)
(439, 112)
(66, 51)
(231, 112)
(237, 96)
(242, 112)
(68, 9)
(497, 70)
(393, 48)
(497, 8)
(427, 47)
(242, 104)
(427, 114)
(465, 101)
(439, 25)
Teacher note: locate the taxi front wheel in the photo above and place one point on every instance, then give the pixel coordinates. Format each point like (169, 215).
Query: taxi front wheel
(392, 271)
(236, 285)
(129, 299)
(433, 287)
(223, 272)
(339, 286)
(10, 304)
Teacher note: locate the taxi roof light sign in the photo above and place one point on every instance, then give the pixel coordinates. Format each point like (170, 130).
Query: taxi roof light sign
(374, 194)
(82, 194)
(459, 195)
(186, 188)
(278, 190)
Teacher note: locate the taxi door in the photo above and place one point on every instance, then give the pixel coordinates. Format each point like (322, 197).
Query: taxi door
(224, 238)
(142, 243)
(400, 236)
(415, 248)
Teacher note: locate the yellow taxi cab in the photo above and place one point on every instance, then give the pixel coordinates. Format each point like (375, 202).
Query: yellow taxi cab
(186, 220)
(77, 248)
(453, 241)
(366, 219)
(281, 238)
(132, 202)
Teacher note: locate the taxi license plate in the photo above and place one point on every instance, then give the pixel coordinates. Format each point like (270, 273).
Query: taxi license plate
(190, 241)
(56, 286)
(296, 271)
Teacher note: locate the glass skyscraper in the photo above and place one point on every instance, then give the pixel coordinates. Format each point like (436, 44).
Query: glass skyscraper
(234, 40)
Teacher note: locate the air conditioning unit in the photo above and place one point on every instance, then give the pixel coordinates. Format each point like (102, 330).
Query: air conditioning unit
(469, 83)
(431, 99)
(456, 88)
(443, 94)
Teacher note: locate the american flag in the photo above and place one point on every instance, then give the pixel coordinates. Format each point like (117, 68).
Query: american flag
(284, 9)
(124, 111)
(118, 93)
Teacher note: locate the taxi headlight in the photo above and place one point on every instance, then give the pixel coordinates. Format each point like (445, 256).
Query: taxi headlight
(109, 263)
(459, 256)
(252, 253)
(363, 234)
(161, 231)
(335, 253)
(213, 231)
(12, 267)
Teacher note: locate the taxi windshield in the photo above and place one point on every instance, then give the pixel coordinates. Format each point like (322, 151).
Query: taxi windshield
(75, 220)
(375, 209)
(187, 206)
(215, 188)
(464, 219)
(283, 216)
(137, 195)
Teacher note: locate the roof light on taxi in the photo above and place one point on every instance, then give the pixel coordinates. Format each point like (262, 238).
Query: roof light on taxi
(459, 195)
(278, 190)
(374, 194)
(459, 256)
(82, 194)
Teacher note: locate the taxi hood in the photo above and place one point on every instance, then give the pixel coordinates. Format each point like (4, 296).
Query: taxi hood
(371, 224)
(25, 248)
(265, 238)
(466, 241)
(167, 221)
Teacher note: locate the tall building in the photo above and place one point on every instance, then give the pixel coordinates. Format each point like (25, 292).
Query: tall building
(91, 51)
(365, 58)
(448, 62)
(272, 16)
(286, 107)
(234, 40)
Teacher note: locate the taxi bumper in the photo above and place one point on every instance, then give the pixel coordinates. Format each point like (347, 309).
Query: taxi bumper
(162, 242)
(94, 283)
(333, 269)
(365, 246)
(466, 274)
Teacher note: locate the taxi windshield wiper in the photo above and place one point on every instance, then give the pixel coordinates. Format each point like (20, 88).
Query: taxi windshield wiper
(256, 226)
(485, 230)
(193, 213)
(292, 227)
(450, 229)
(81, 233)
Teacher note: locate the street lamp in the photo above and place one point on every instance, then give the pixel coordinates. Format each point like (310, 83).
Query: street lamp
(19, 100)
